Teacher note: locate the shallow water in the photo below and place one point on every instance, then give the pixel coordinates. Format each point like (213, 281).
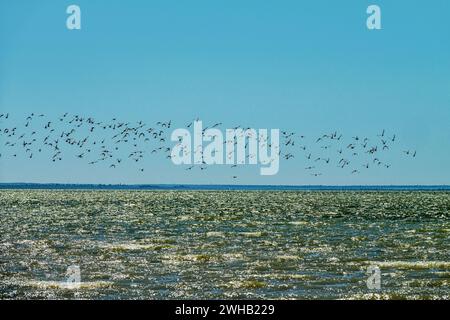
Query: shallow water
(224, 244)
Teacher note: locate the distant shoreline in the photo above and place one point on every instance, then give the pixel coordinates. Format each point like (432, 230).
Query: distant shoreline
(193, 187)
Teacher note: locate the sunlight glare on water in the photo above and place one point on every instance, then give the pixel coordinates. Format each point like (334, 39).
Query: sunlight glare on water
(224, 244)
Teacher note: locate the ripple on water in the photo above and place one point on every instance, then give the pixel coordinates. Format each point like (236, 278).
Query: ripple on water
(210, 245)
(413, 264)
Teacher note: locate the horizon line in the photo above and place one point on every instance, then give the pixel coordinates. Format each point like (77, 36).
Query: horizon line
(167, 186)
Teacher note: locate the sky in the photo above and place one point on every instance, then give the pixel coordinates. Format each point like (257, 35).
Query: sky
(311, 67)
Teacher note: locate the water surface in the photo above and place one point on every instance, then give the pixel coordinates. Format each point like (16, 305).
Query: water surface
(180, 244)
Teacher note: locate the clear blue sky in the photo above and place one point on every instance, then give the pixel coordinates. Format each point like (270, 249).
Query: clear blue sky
(306, 66)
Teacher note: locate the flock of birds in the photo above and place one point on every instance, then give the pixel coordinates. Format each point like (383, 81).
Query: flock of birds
(115, 142)
(345, 154)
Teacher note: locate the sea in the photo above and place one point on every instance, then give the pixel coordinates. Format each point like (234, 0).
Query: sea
(224, 242)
